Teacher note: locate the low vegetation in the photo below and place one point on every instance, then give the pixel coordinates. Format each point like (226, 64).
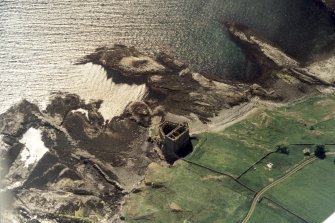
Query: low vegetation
(255, 152)
(261, 175)
(320, 151)
(187, 193)
(310, 192)
(266, 211)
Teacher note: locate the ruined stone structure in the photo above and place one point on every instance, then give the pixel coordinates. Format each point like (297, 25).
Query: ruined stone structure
(175, 139)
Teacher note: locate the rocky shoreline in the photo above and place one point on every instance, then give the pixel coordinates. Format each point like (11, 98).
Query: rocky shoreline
(176, 87)
(93, 163)
(89, 167)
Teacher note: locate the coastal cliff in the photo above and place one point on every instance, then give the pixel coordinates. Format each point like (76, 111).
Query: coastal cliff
(89, 164)
(181, 91)
(274, 60)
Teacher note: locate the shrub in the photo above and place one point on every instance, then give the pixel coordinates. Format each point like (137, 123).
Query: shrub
(282, 149)
(320, 151)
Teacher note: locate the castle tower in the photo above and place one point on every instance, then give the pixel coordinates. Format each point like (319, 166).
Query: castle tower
(175, 138)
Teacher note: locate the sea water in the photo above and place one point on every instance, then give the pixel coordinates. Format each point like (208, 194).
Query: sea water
(41, 40)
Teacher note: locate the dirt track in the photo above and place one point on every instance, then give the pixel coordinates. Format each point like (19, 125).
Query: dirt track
(265, 189)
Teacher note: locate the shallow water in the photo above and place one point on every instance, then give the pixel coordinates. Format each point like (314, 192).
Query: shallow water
(41, 40)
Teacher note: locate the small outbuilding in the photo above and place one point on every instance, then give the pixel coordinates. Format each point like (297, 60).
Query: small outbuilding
(269, 166)
(307, 152)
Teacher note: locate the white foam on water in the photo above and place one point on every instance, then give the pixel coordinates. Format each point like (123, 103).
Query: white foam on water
(34, 148)
(95, 86)
(330, 219)
(83, 111)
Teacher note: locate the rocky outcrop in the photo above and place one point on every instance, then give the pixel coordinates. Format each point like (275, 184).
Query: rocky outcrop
(87, 168)
(171, 84)
(272, 58)
(259, 49)
(127, 60)
(140, 112)
(323, 69)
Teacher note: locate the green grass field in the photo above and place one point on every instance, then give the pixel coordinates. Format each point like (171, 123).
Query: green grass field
(310, 193)
(241, 145)
(224, 154)
(260, 176)
(186, 193)
(268, 212)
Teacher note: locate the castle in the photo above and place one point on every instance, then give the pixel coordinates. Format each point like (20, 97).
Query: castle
(175, 139)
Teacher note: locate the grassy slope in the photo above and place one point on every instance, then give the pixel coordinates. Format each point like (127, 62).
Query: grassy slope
(233, 151)
(200, 195)
(241, 145)
(225, 154)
